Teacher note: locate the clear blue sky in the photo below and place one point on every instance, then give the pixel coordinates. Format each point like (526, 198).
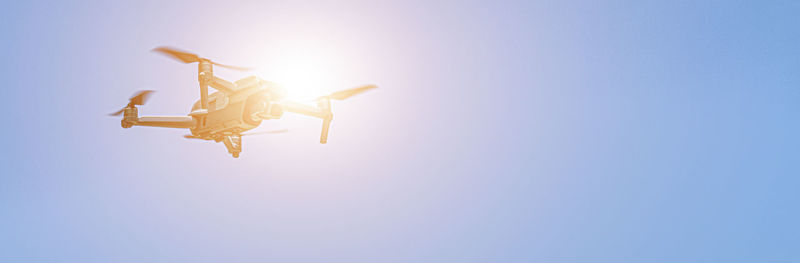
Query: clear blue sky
(530, 131)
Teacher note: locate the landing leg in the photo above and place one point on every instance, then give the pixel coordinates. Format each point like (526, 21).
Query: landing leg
(234, 144)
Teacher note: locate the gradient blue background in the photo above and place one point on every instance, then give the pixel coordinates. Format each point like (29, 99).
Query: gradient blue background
(531, 131)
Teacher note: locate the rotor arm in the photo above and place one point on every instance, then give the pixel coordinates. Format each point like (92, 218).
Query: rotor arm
(181, 122)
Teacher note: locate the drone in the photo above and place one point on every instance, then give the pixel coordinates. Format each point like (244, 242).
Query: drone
(235, 107)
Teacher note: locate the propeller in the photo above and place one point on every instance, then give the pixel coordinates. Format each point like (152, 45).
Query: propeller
(344, 94)
(139, 98)
(190, 136)
(266, 132)
(324, 104)
(187, 57)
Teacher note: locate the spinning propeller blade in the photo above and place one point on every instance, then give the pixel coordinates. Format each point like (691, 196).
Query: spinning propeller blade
(190, 136)
(182, 56)
(116, 113)
(344, 94)
(187, 57)
(139, 98)
(232, 67)
(266, 132)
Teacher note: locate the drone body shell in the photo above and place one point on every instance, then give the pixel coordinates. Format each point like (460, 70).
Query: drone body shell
(236, 111)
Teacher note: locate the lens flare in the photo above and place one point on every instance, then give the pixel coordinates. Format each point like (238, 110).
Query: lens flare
(306, 72)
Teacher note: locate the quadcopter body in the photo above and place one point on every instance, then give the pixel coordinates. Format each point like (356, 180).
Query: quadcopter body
(236, 107)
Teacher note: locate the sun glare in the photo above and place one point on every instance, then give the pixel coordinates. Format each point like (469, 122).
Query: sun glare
(305, 72)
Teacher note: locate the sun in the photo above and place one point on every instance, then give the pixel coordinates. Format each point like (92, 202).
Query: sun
(306, 72)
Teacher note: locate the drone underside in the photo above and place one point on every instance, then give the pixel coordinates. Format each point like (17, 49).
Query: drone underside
(235, 108)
